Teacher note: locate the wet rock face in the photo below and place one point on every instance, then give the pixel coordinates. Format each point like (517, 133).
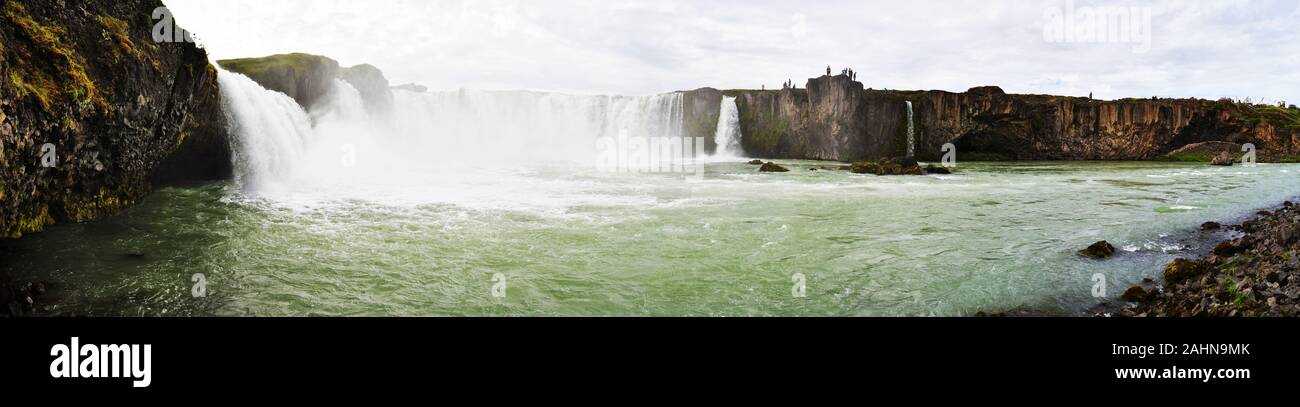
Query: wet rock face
(94, 113)
(702, 108)
(826, 120)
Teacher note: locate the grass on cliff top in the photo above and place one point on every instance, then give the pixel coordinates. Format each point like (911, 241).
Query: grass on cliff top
(49, 40)
(1279, 116)
(298, 62)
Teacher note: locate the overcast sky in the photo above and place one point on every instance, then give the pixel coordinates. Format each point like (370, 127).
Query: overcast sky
(1187, 48)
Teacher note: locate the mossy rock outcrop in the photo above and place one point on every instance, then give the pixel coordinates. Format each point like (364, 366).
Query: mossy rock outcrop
(309, 78)
(304, 77)
(94, 114)
(1182, 269)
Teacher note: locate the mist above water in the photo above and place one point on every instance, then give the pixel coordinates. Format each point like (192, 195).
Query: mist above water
(428, 147)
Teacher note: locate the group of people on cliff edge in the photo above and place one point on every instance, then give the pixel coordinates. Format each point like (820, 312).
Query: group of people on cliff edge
(849, 72)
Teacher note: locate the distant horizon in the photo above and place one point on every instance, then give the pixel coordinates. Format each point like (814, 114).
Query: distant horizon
(397, 85)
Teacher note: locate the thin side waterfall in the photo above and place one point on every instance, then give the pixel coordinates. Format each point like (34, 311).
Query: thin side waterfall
(727, 136)
(911, 132)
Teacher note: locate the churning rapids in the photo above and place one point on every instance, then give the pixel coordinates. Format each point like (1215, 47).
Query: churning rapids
(451, 197)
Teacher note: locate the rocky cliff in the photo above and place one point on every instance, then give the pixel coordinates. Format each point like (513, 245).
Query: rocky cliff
(371, 83)
(834, 118)
(93, 112)
(700, 115)
(304, 77)
(307, 78)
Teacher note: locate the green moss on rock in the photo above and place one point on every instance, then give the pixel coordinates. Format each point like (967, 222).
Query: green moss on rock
(30, 223)
(104, 204)
(75, 84)
(298, 62)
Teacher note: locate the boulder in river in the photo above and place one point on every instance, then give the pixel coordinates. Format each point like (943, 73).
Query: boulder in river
(888, 166)
(1099, 250)
(772, 167)
(937, 169)
(1135, 294)
(756, 162)
(1224, 159)
(1211, 226)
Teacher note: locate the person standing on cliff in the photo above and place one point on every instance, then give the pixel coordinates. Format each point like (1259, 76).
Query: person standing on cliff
(828, 70)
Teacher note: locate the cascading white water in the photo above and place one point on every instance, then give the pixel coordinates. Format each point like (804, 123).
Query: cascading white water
(911, 132)
(728, 135)
(270, 130)
(428, 145)
(509, 126)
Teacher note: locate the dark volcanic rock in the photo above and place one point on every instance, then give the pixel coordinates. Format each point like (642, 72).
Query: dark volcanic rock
(772, 167)
(1099, 250)
(1135, 294)
(888, 166)
(1228, 248)
(122, 112)
(756, 162)
(1182, 269)
(1211, 226)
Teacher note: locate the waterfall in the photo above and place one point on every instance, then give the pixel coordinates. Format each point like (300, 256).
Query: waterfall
(510, 126)
(341, 145)
(270, 130)
(911, 132)
(727, 136)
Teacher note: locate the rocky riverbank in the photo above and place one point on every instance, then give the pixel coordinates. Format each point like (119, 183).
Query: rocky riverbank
(1254, 275)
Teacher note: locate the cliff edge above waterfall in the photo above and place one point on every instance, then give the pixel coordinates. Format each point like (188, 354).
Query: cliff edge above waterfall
(307, 78)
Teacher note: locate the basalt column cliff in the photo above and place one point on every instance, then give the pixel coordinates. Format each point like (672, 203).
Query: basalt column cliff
(834, 118)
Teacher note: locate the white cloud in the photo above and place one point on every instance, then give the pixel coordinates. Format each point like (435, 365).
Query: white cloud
(1198, 48)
